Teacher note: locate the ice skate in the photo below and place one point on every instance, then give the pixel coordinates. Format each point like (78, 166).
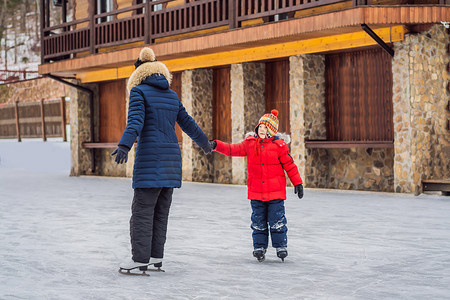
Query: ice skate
(134, 268)
(259, 253)
(155, 265)
(282, 253)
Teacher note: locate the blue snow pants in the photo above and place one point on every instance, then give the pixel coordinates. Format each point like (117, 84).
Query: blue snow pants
(265, 215)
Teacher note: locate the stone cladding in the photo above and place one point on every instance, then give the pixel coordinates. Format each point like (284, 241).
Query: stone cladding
(254, 75)
(186, 152)
(202, 165)
(307, 107)
(106, 166)
(35, 90)
(80, 130)
(238, 164)
(307, 89)
(247, 106)
(422, 140)
(361, 169)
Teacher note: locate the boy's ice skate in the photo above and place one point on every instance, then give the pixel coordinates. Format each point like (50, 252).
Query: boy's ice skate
(259, 253)
(139, 268)
(282, 253)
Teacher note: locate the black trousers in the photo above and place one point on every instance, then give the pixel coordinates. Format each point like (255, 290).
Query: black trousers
(148, 223)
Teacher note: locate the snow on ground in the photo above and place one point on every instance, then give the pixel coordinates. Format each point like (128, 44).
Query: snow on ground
(63, 237)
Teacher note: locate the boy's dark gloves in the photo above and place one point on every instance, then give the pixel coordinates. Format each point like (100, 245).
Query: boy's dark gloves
(122, 154)
(298, 189)
(213, 144)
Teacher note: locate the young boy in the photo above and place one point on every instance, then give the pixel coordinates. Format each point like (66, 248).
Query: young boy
(267, 158)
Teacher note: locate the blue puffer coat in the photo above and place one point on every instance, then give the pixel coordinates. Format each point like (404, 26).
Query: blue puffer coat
(153, 111)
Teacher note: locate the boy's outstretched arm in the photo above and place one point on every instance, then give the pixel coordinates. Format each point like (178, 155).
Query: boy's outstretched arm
(231, 149)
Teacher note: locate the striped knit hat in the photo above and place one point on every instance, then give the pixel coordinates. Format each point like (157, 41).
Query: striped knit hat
(271, 122)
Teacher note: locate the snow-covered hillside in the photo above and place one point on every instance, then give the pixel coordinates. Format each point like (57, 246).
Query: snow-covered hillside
(23, 45)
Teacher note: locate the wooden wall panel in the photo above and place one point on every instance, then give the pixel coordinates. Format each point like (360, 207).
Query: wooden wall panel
(359, 96)
(122, 4)
(222, 104)
(176, 86)
(112, 111)
(81, 11)
(277, 92)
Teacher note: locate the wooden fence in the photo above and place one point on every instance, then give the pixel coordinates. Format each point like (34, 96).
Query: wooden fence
(45, 118)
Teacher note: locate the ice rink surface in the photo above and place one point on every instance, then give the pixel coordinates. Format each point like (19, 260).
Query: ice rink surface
(63, 237)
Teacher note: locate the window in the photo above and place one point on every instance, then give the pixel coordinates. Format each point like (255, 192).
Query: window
(102, 7)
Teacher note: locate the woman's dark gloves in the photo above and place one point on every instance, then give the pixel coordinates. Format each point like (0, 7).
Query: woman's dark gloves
(298, 189)
(210, 147)
(121, 153)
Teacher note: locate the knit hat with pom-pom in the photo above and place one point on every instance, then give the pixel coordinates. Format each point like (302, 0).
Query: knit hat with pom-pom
(147, 65)
(271, 122)
(146, 55)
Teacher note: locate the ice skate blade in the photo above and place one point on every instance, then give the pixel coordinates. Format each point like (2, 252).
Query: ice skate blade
(155, 270)
(128, 272)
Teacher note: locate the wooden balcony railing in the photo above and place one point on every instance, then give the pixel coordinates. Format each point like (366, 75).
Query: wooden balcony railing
(148, 21)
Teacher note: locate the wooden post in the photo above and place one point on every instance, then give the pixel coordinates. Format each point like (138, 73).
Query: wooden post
(92, 26)
(63, 118)
(232, 14)
(147, 23)
(44, 136)
(43, 25)
(19, 139)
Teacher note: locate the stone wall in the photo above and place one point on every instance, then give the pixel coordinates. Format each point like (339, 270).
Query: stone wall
(106, 166)
(366, 169)
(35, 90)
(311, 72)
(317, 168)
(402, 116)
(307, 107)
(422, 142)
(247, 106)
(238, 164)
(361, 169)
(202, 165)
(254, 98)
(187, 151)
(80, 130)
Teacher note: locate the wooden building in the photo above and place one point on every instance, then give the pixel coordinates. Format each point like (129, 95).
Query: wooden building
(361, 85)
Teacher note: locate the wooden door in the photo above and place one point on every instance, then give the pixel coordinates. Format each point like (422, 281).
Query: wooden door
(222, 104)
(112, 111)
(277, 92)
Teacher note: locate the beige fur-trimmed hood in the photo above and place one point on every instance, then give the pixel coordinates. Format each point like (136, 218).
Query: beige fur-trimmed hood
(284, 136)
(148, 69)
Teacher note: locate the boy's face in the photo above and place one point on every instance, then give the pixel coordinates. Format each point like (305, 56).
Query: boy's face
(262, 131)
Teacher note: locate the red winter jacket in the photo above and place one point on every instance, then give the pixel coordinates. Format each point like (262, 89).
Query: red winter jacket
(266, 180)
